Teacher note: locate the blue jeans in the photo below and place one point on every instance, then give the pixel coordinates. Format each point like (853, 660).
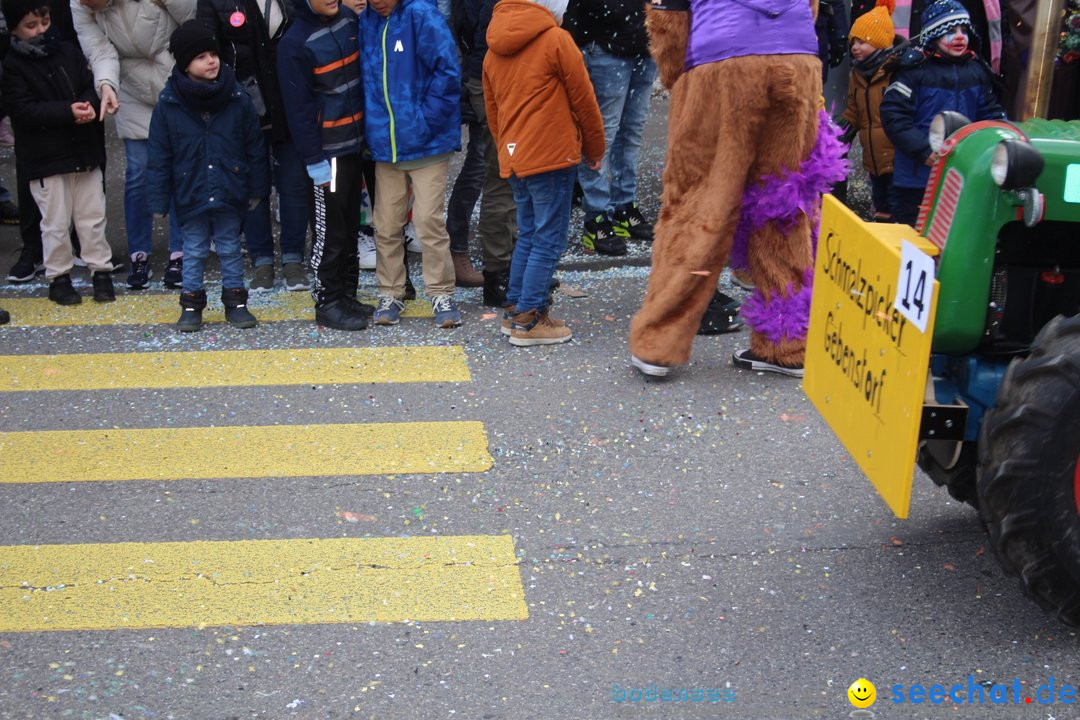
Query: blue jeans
(222, 225)
(291, 182)
(623, 87)
(137, 215)
(543, 219)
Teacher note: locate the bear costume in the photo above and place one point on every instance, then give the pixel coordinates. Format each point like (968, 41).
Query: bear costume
(749, 153)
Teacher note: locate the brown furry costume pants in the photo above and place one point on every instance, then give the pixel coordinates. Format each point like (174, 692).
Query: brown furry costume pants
(731, 123)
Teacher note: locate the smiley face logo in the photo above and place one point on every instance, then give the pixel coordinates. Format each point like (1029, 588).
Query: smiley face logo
(862, 693)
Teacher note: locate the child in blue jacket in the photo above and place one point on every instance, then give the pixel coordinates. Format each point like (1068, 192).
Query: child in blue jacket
(412, 101)
(945, 75)
(207, 155)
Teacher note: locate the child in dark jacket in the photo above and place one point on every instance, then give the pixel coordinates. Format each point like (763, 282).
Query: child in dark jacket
(49, 93)
(319, 70)
(207, 155)
(945, 75)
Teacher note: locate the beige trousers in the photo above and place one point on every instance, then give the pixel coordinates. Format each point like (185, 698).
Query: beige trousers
(429, 219)
(77, 197)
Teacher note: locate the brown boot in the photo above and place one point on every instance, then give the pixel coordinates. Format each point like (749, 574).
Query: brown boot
(464, 273)
(534, 328)
(510, 312)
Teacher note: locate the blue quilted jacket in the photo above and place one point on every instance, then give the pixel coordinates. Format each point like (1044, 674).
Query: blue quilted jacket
(412, 82)
(924, 87)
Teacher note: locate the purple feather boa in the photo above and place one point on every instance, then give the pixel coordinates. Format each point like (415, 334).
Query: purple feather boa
(781, 199)
(785, 316)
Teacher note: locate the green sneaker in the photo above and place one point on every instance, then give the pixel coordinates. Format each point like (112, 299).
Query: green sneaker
(600, 237)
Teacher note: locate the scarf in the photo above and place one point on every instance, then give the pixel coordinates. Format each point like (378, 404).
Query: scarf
(205, 97)
(40, 46)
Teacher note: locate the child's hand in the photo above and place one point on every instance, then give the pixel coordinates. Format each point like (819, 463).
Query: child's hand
(594, 165)
(83, 112)
(932, 159)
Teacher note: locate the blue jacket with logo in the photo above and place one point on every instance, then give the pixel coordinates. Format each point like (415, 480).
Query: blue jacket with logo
(205, 160)
(412, 82)
(924, 86)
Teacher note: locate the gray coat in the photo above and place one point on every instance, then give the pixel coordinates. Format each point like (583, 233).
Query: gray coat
(127, 44)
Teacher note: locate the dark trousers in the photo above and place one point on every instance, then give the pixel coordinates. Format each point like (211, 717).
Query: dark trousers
(29, 216)
(880, 186)
(337, 223)
(904, 202)
(467, 187)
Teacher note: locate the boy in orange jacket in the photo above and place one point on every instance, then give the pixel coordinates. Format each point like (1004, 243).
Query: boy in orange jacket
(542, 113)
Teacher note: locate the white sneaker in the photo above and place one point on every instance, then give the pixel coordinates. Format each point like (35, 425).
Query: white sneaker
(412, 242)
(649, 368)
(365, 250)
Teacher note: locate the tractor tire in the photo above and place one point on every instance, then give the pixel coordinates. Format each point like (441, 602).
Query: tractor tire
(1028, 478)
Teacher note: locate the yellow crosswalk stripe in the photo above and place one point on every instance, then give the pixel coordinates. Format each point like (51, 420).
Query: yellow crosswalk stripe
(259, 582)
(227, 368)
(149, 309)
(243, 452)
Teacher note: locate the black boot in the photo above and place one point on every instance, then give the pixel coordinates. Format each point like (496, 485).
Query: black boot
(496, 285)
(236, 312)
(103, 287)
(721, 316)
(62, 293)
(5, 317)
(191, 317)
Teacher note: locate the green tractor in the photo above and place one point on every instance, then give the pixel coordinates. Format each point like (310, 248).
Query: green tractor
(974, 375)
(1005, 364)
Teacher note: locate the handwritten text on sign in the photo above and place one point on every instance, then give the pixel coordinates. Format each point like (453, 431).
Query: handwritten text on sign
(866, 362)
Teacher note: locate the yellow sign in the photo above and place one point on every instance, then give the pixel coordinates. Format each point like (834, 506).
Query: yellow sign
(866, 363)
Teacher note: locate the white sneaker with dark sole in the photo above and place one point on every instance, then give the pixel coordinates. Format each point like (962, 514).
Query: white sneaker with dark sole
(648, 368)
(749, 361)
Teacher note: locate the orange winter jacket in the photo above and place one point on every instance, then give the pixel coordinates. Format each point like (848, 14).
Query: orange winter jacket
(540, 102)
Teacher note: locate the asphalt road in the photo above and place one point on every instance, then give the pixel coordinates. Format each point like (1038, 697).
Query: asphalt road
(704, 531)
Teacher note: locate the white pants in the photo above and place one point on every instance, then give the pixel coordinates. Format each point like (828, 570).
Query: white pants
(77, 197)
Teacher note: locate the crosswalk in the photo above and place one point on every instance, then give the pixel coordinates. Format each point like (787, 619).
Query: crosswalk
(147, 584)
(164, 309)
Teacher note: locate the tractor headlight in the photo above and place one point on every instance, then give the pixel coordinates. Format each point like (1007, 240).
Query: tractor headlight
(1015, 165)
(943, 125)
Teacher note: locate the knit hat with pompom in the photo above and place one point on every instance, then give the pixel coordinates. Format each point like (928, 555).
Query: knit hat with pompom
(876, 26)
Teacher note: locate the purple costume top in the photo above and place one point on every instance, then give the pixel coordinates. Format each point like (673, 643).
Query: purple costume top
(722, 29)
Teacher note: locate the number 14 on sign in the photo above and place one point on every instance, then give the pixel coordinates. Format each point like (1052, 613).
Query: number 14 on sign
(915, 286)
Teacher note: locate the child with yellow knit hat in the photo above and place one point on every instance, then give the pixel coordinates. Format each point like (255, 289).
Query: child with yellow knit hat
(872, 40)
(874, 43)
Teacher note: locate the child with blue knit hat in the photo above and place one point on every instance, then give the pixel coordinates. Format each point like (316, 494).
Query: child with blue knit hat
(945, 74)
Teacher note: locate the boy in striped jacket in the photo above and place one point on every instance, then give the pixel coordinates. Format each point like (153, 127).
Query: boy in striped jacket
(319, 74)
